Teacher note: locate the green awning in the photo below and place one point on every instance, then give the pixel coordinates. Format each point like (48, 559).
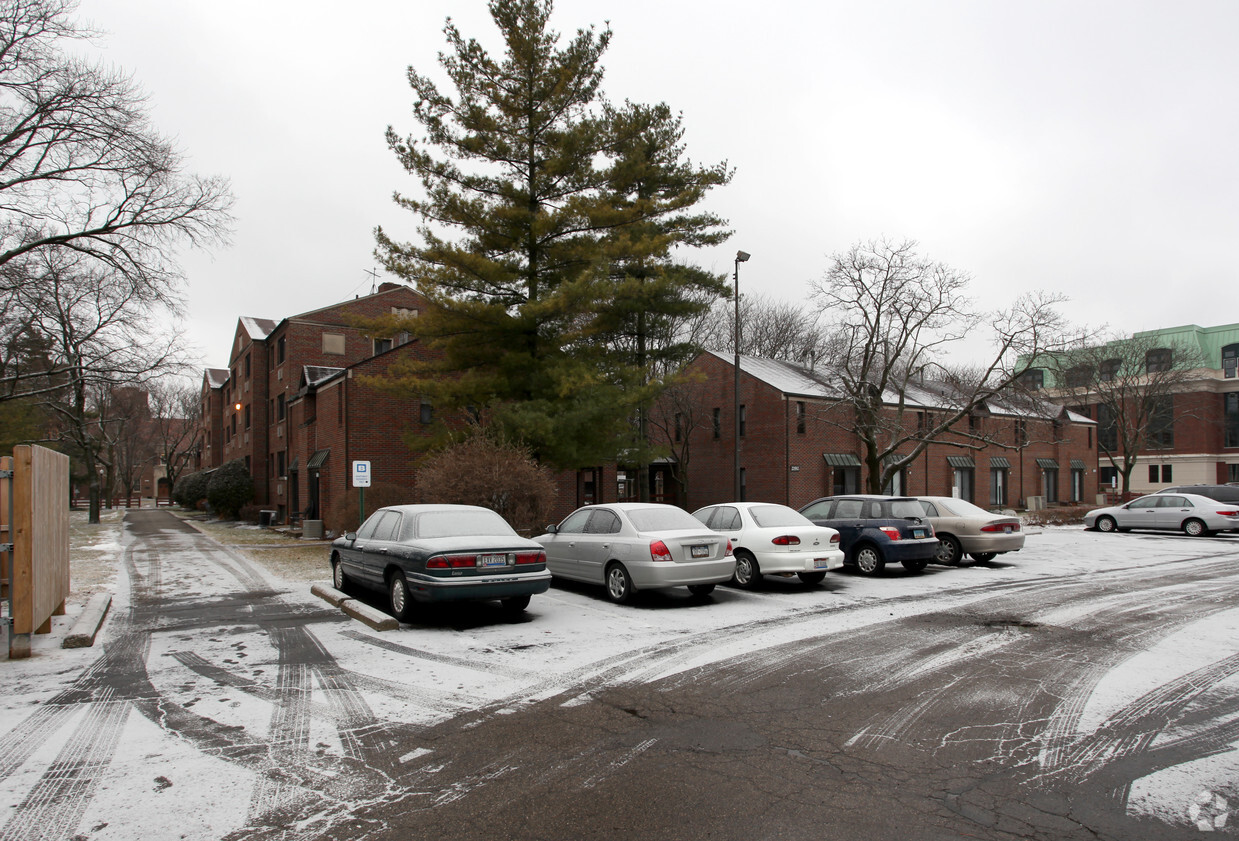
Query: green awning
(317, 460)
(1078, 464)
(960, 461)
(841, 459)
(1047, 463)
(998, 461)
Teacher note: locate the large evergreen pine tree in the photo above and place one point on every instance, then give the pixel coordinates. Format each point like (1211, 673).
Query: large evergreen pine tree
(536, 204)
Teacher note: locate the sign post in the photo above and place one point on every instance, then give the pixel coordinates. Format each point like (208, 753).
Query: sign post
(361, 481)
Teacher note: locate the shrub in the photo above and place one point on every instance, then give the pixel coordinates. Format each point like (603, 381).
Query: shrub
(190, 489)
(344, 514)
(230, 487)
(1058, 516)
(494, 474)
(250, 513)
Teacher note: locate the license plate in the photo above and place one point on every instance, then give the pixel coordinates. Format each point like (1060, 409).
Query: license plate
(1006, 529)
(699, 551)
(492, 560)
(918, 533)
(821, 563)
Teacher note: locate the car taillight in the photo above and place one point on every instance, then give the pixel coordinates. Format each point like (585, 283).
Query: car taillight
(452, 561)
(1001, 527)
(530, 558)
(834, 539)
(728, 553)
(891, 532)
(1229, 513)
(786, 540)
(659, 551)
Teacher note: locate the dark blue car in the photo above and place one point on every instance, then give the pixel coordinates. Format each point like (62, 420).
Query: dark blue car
(876, 530)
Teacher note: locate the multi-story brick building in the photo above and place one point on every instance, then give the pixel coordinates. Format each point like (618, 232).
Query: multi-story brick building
(292, 404)
(795, 446)
(1197, 434)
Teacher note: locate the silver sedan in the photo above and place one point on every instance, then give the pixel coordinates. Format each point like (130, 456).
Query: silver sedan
(1192, 514)
(631, 546)
(962, 528)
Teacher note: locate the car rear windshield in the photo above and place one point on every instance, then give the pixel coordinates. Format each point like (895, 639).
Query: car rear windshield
(462, 524)
(778, 516)
(907, 508)
(663, 519)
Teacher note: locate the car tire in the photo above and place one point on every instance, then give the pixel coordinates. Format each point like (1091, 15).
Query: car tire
(1105, 524)
(868, 559)
(399, 599)
(915, 564)
(515, 604)
(618, 584)
(983, 557)
(338, 579)
(811, 578)
(1195, 528)
(700, 590)
(748, 573)
(950, 552)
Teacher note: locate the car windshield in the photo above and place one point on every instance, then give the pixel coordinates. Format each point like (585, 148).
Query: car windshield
(963, 508)
(662, 519)
(907, 508)
(778, 516)
(459, 523)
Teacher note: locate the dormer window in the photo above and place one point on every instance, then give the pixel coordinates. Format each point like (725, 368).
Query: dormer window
(1158, 359)
(1230, 360)
(1033, 379)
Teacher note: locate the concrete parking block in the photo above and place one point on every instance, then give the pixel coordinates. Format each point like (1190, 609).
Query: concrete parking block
(84, 630)
(329, 594)
(377, 620)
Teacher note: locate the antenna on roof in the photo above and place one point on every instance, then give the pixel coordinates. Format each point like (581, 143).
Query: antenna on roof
(374, 279)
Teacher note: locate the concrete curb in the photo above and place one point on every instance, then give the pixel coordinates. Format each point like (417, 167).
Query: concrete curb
(84, 630)
(360, 611)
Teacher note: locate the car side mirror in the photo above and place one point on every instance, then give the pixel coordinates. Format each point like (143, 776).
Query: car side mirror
(351, 536)
(552, 529)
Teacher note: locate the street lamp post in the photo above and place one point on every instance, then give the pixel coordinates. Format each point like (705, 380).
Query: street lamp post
(741, 257)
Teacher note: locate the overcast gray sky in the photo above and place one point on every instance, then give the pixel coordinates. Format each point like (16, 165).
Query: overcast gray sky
(1087, 148)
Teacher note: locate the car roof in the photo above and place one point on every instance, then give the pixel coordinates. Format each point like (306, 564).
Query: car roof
(423, 507)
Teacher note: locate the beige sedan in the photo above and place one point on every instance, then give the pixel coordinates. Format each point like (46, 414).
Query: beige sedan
(962, 528)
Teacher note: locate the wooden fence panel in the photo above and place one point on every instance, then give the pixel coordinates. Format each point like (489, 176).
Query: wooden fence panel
(40, 541)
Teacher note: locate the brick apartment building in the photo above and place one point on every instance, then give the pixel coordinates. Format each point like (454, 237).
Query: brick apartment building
(791, 452)
(291, 404)
(1199, 441)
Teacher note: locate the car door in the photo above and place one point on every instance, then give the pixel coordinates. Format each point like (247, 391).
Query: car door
(1138, 514)
(562, 548)
(363, 561)
(727, 521)
(848, 518)
(594, 547)
(1172, 511)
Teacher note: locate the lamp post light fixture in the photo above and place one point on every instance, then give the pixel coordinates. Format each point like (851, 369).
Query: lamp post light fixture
(741, 257)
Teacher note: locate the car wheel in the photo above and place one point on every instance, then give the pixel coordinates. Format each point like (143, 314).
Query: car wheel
(983, 557)
(915, 564)
(811, 578)
(1195, 528)
(619, 584)
(399, 598)
(1106, 524)
(701, 589)
(747, 574)
(949, 550)
(338, 579)
(869, 560)
(515, 604)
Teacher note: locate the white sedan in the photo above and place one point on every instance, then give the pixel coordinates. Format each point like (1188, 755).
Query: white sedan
(1192, 514)
(770, 539)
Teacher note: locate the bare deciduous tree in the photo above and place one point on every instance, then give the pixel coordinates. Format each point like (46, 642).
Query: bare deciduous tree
(892, 317)
(768, 328)
(175, 412)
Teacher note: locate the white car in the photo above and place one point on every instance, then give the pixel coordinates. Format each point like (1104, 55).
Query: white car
(631, 546)
(770, 539)
(1192, 514)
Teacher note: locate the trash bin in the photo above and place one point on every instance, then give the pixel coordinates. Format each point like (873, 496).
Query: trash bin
(266, 518)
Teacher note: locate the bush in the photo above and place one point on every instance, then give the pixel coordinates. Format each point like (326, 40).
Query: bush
(190, 489)
(1058, 516)
(344, 514)
(229, 488)
(250, 513)
(494, 474)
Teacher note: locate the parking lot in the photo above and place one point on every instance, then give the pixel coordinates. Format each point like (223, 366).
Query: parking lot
(224, 702)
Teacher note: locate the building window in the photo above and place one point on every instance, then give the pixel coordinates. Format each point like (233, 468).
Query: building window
(621, 485)
(247, 366)
(1107, 428)
(1158, 359)
(1108, 475)
(1230, 360)
(718, 424)
(427, 413)
(846, 480)
(743, 419)
(1077, 484)
(279, 351)
(1078, 376)
(279, 463)
(1230, 423)
(997, 486)
(1049, 484)
(1108, 370)
(897, 484)
(1161, 424)
(333, 343)
(1033, 379)
(1165, 471)
(800, 420)
(381, 346)
(1232, 472)
(247, 416)
(279, 407)
(1021, 432)
(961, 483)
